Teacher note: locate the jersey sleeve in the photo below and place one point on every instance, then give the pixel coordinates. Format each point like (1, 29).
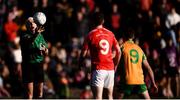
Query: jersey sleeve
(122, 47)
(115, 42)
(144, 57)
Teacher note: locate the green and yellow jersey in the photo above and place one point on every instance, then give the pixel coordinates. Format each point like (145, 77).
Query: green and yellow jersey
(132, 56)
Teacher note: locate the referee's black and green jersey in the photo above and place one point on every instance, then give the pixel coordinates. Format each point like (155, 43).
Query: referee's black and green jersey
(30, 46)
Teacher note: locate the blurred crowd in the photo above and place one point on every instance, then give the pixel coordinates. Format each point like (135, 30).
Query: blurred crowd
(155, 22)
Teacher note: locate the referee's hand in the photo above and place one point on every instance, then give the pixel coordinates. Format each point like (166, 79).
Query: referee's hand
(44, 50)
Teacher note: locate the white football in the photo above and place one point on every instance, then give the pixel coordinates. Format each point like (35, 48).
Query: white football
(39, 18)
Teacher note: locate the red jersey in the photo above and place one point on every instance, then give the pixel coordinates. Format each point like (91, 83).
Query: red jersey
(100, 42)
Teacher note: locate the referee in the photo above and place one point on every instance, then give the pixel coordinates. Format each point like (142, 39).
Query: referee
(34, 48)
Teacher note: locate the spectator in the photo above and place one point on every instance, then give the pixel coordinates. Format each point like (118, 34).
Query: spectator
(48, 85)
(171, 63)
(115, 20)
(86, 94)
(4, 72)
(3, 9)
(11, 28)
(173, 18)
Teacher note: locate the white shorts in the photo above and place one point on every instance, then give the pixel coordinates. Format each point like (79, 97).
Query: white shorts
(103, 78)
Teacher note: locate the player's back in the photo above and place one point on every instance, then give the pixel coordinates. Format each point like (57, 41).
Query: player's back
(133, 56)
(101, 41)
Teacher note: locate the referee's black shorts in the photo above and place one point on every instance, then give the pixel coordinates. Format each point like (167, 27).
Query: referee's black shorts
(32, 72)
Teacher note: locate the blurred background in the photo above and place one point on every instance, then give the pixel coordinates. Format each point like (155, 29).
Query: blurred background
(155, 22)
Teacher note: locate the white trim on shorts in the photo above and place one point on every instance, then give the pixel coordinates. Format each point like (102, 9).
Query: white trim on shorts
(102, 78)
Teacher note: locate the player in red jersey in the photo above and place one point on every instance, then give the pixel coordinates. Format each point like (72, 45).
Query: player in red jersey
(101, 42)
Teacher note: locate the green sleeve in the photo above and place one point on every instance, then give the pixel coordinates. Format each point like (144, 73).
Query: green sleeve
(144, 57)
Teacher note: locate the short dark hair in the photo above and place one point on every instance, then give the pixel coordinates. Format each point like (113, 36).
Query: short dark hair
(98, 18)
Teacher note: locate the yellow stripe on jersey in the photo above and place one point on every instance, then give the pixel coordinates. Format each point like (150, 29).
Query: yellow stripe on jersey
(133, 57)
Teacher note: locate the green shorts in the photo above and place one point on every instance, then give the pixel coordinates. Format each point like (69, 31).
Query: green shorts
(129, 89)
